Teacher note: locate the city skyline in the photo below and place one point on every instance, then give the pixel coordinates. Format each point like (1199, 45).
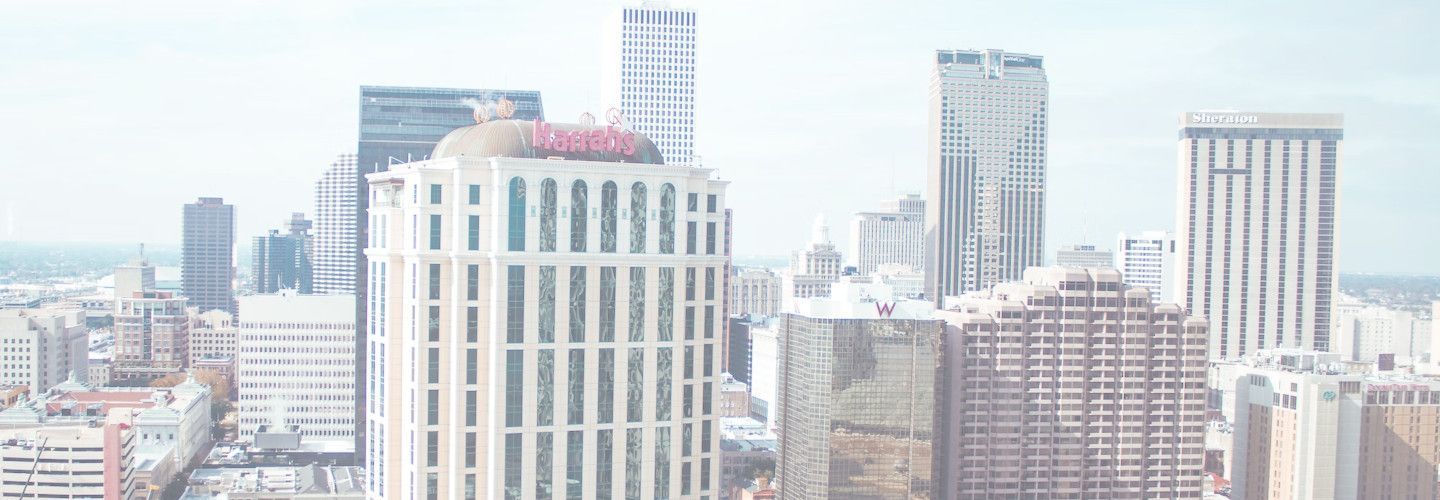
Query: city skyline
(1111, 123)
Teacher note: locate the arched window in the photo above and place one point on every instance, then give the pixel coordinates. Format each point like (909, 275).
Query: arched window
(547, 215)
(578, 220)
(608, 214)
(667, 218)
(639, 212)
(517, 214)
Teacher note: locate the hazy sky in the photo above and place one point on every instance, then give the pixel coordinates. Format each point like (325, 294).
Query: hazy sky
(113, 115)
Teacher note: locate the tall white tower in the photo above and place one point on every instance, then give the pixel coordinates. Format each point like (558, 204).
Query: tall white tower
(649, 75)
(335, 261)
(985, 211)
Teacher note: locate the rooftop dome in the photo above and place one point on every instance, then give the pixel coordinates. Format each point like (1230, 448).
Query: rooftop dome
(513, 138)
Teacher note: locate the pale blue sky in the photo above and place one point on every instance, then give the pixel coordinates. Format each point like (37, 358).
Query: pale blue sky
(112, 115)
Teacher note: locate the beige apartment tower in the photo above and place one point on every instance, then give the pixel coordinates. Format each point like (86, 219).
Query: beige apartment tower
(1070, 385)
(1255, 247)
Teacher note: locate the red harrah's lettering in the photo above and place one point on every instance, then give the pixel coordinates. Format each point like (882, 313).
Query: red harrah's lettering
(611, 139)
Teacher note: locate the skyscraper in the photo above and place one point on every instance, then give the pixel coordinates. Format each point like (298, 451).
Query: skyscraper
(893, 235)
(402, 124)
(335, 235)
(1256, 221)
(297, 364)
(813, 269)
(1070, 385)
(985, 211)
(544, 320)
(207, 255)
(1147, 260)
(282, 261)
(649, 74)
(857, 395)
(1083, 256)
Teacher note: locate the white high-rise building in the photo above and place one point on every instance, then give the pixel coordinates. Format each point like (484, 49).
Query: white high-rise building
(297, 366)
(544, 320)
(893, 235)
(135, 276)
(1363, 333)
(335, 262)
(1147, 260)
(1256, 219)
(1084, 256)
(43, 347)
(985, 201)
(812, 270)
(649, 75)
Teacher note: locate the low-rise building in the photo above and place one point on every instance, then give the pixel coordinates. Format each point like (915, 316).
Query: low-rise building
(302, 482)
(152, 336)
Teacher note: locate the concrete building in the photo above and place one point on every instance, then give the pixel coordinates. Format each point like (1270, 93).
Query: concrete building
(135, 276)
(40, 348)
(152, 336)
(857, 395)
(207, 255)
(213, 334)
(1305, 427)
(1070, 385)
(734, 398)
(755, 291)
(297, 366)
(893, 235)
(304, 482)
(813, 270)
(648, 73)
(1256, 219)
(336, 258)
(544, 319)
(985, 211)
(764, 371)
(1147, 260)
(904, 281)
(1084, 256)
(1363, 333)
(78, 442)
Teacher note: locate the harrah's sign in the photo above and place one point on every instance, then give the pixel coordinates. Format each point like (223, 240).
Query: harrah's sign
(612, 139)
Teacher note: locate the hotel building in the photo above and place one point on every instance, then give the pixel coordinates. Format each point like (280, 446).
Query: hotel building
(893, 235)
(649, 75)
(297, 367)
(1147, 260)
(985, 201)
(544, 320)
(1256, 220)
(1070, 385)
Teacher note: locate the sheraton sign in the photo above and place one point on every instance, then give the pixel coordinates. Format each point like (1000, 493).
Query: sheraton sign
(611, 139)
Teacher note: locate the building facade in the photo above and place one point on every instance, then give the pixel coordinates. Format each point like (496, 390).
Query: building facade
(1255, 246)
(42, 348)
(152, 336)
(282, 261)
(207, 255)
(134, 276)
(1147, 260)
(893, 235)
(756, 291)
(1363, 333)
(297, 366)
(649, 75)
(1306, 428)
(213, 334)
(856, 396)
(1071, 385)
(544, 320)
(335, 235)
(985, 212)
(1083, 256)
(813, 270)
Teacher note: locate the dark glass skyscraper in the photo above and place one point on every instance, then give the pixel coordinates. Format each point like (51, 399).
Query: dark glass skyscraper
(400, 125)
(207, 255)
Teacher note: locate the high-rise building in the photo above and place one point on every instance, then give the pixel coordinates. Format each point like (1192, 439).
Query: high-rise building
(544, 320)
(281, 261)
(1147, 260)
(893, 235)
(297, 366)
(152, 336)
(1071, 385)
(1363, 333)
(985, 210)
(756, 291)
(1086, 256)
(812, 270)
(1305, 427)
(207, 255)
(134, 276)
(402, 124)
(649, 75)
(1256, 219)
(335, 236)
(43, 347)
(857, 395)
